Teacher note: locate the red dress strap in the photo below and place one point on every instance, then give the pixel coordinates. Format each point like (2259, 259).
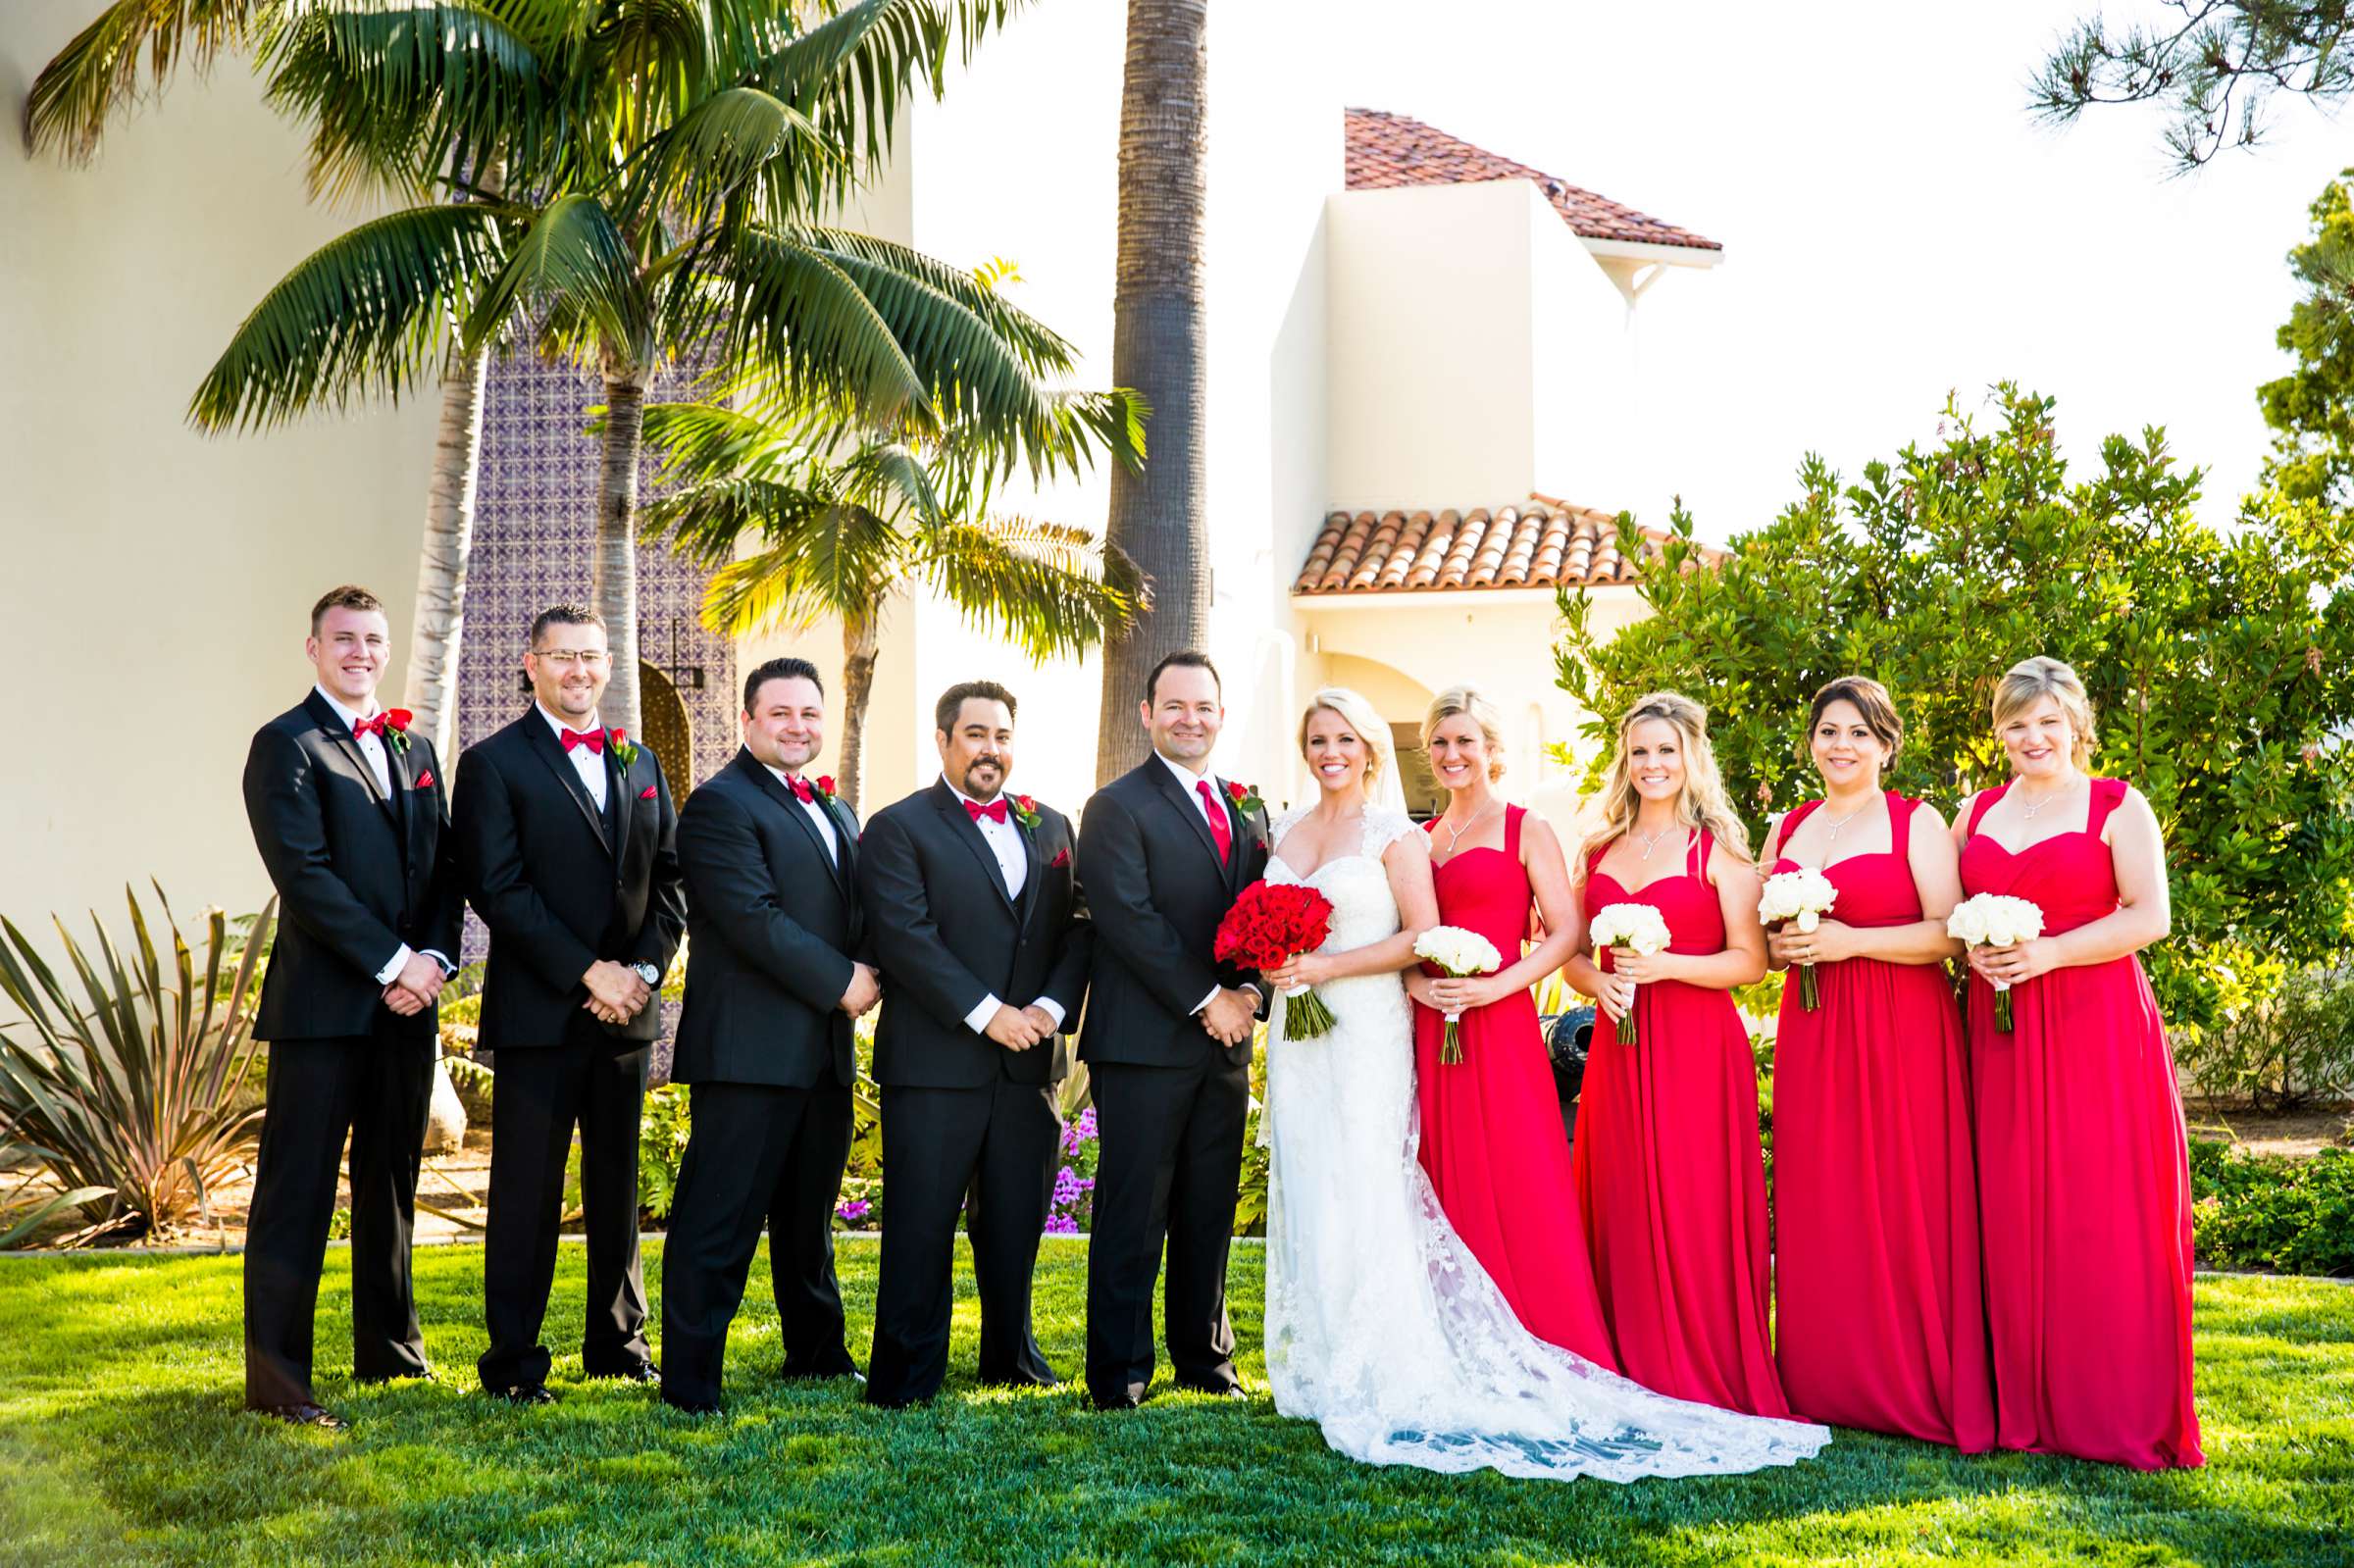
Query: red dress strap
(1512, 831)
(2107, 796)
(1789, 824)
(1986, 798)
(1594, 860)
(1899, 821)
(1696, 858)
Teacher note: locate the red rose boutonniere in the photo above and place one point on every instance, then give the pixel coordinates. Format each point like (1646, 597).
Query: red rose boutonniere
(1025, 812)
(826, 790)
(391, 726)
(1245, 797)
(625, 750)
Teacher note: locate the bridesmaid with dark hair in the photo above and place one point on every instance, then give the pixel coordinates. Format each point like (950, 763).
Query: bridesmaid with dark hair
(1492, 1138)
(2083, 1165)
(1877, 1281)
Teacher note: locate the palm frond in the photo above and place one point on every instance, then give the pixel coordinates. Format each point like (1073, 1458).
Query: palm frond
(820, 558)
(97, 74)
(396, 92)
(741, 148)
(790, 310)
(371, 311)
(1052, 590)
(1041, 349)
(571, 257)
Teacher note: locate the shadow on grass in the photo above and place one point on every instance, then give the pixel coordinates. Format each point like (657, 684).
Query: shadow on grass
(120, 1441)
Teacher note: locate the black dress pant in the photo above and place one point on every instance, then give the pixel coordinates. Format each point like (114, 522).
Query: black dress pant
(1170, 1167)
(540, 1093)
(754, 1154)
(377, 1088)
(998, 1140)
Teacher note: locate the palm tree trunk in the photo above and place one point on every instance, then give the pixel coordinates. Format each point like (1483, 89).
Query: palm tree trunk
(436, 636)
(861, 640)
(1159, 347)
(614, 587)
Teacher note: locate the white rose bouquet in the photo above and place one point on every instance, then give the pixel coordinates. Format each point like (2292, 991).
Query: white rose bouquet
(1995, 920)
(1638, 926)
(1461, 953)
(1801, 898)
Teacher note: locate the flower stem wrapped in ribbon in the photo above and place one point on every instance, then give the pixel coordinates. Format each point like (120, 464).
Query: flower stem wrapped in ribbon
(1801, 898)
(1638, 926)
(1996, 920)
(1270, 924)
(1462, 954)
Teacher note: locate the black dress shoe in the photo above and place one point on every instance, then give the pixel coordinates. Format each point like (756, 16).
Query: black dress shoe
(377, 1381)
(525, 1393)
(789, 1373)
(1222, 1390)
(691, 1407)
(645, 1372)
(1020, 1380)
(306, 1415)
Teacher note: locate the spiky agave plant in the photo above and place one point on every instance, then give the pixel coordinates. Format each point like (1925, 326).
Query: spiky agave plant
(129, 1100)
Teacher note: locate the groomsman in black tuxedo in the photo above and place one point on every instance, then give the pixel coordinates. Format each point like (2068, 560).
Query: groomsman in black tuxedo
(771, 861)
(569, 844)
(977, 918)
(349, 814)
(1163, 851)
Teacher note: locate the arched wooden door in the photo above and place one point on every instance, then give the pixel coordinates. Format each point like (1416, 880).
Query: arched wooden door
(668, 729)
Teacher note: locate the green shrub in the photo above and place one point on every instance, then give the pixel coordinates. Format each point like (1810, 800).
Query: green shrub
(2272, 1211)
(2294, 1046)
(661, 1146)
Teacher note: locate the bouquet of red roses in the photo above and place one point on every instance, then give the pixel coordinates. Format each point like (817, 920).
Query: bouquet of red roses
(1271, 924)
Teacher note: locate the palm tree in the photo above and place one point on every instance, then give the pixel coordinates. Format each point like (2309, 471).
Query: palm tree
(96, 76)
(845, 518)
(1159, 333)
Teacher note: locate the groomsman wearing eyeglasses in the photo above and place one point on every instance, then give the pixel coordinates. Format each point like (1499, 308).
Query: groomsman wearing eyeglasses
(567, 837)
(973, 908)
(351, 824)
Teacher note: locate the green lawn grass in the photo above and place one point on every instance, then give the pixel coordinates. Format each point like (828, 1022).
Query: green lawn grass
(120, 1441)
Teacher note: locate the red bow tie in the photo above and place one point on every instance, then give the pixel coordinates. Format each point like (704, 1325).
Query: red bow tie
(376, 725)
(802, 790)
(994, 811)
(593, 740)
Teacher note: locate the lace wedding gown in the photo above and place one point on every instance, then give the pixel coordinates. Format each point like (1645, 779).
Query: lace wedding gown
(1381, 1326)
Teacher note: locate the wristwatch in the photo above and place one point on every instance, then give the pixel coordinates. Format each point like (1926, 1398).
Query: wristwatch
(649, 974)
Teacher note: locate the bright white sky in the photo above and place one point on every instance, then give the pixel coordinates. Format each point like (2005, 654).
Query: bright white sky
(1895, 224)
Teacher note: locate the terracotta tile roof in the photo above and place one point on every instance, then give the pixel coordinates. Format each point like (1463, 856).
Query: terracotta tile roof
(1385, 151)
(1537, 543)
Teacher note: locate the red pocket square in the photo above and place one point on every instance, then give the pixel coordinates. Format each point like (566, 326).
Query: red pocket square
(647, 793)
(1062, 857)
(424, 779)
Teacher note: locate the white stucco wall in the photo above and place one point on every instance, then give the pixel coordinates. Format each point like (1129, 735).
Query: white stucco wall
(153, 607)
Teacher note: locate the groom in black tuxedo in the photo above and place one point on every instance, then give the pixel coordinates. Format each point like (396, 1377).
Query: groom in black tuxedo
(982, 936)
(773, 984)
(568, 840)
(348, 811)
(1163, 851)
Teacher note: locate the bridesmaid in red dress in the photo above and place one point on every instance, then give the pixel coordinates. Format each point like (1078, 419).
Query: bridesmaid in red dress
(1669, 1174)
(2083, 1168)
(1492, 1137)
(1880, 1321)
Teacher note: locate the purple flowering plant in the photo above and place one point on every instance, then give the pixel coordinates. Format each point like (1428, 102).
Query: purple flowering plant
(1073, 1207)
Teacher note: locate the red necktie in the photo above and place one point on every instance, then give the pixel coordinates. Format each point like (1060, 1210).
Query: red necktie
(994, 811)
(1217, 821)
(593, 740)
(803, 791)
(371, 727)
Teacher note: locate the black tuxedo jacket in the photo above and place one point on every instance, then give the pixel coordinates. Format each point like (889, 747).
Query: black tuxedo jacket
(562, 884)
(945, 933)
(773, 927)
(357, 874)
(1155, 893)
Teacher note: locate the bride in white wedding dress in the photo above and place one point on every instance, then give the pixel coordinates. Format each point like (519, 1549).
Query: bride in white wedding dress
(1380, 1325)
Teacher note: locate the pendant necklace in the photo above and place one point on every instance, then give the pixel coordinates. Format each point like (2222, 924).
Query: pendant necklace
(1648, 842)
(2027, 813)
(1831, 833)
(1454, 834)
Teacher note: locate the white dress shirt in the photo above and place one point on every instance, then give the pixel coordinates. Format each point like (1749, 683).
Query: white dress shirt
(1189, 782)
(590, 765)
(816, 813)
(380, 763)
(1005, 841)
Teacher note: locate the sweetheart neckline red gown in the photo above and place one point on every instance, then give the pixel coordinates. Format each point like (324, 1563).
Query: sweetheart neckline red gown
(1492, 1144)
(1880, 1321)
(2083, 1177)
(1670, 1177)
